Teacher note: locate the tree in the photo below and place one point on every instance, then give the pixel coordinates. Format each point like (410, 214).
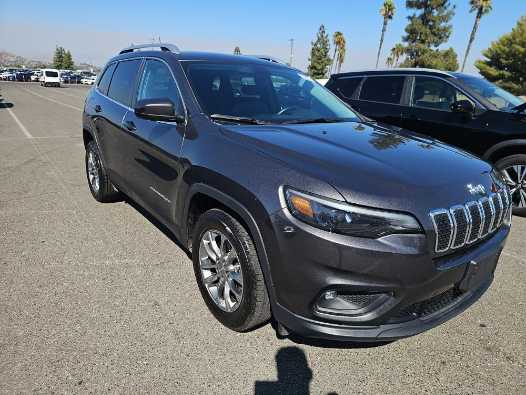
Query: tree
(237, 51)
(338, 40)
(396, 53)
(67, 62)
(427, 29)
(505, 62)
(319, 55)
(58, 58)
(482, 7)
(387, 12)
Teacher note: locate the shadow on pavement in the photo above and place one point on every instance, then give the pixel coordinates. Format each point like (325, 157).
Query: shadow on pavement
(294, 374)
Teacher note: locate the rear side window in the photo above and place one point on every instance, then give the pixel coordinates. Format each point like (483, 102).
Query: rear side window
(123, 81)
(383, 89)
(104, 82)
(347, 86)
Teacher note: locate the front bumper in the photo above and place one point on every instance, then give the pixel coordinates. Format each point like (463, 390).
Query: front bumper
(418, 291)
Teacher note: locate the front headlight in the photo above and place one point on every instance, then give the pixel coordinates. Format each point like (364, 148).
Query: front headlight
(348, 219)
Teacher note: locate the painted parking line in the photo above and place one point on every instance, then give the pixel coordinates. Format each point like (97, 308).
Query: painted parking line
(52, 100)
(20, 124)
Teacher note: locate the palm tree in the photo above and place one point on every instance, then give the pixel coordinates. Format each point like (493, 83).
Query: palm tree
(396, 53)
(387, 11)
(337, 38)
(482, 7)
(340, 57)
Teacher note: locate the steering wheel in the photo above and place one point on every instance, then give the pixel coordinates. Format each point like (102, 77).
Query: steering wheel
(287, 109)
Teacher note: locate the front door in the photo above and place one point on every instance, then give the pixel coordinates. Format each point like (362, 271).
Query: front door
(429, 112)
(154, 151)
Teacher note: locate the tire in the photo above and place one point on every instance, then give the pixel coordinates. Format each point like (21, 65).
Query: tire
(505, 166)
(103, 190)
(253, 307)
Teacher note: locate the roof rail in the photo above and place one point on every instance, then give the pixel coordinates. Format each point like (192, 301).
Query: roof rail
(269, 59)
(163, 46)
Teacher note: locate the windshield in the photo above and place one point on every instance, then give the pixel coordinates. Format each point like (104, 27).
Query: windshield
(265, 93)
(500, 98)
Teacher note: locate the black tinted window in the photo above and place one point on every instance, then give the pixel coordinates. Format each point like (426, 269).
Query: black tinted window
(51, 74)
(123, 81)
(347, 86)
(104, 82)
(158, 83)
(435, 94)
(383, 89)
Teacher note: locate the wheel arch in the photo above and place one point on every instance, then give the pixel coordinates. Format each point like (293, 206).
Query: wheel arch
(505, 148)
(241, 213)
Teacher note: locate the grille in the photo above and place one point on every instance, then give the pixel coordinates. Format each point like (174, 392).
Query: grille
(429, 306)
(465, 224)
(360, 300)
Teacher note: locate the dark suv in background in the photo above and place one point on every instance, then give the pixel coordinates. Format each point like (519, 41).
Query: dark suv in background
(291, 204)
(459, 109)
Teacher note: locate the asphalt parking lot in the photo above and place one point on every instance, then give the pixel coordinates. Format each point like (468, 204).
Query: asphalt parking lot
(94, 297)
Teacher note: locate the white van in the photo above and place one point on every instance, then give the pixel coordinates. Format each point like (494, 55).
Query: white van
(50, 77)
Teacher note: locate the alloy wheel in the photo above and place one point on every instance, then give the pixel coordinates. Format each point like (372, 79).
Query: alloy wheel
(515, 177)
(221, 270)
(94, 171)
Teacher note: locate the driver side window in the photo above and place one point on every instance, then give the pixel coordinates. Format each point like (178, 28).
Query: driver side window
(157, 83)
(435, 94)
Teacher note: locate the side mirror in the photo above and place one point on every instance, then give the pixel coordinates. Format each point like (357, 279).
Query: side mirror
(463, 106)
(158, 110)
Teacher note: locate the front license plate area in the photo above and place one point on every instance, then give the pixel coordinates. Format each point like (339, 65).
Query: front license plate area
(478, 272)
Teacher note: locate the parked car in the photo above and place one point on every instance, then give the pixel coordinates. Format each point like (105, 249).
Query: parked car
(459, 109)
(23, 76)
(50, 77)
(8, 75)
(289, 202)
(35, 76)
(90, 80)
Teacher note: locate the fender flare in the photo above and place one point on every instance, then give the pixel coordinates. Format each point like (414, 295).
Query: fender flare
(247, 217)
(504, 144)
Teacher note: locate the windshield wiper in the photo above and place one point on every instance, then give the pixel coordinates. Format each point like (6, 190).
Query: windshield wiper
(313, 120)
(232, 118)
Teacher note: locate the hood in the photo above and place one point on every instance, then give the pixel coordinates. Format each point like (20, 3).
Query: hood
(371, 164)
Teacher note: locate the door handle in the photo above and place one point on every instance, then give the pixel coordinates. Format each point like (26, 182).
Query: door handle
(129, 125)
(98, 108)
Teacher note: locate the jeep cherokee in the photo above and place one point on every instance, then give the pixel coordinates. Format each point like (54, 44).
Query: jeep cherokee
(291, 204)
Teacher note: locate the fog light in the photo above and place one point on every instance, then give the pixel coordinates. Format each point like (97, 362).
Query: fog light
(350, 304)
(330, 295)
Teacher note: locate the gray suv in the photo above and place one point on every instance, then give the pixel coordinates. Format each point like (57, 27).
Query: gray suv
(291, 204)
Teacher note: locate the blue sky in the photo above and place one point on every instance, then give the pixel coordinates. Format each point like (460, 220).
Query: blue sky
(94, 30)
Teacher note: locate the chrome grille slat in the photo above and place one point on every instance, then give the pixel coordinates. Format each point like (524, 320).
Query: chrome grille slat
(462, 225)
(443, 229)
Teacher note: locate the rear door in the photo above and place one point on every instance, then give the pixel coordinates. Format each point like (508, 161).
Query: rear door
(380, 98)
(116, 135)
(154, 146)
(429, 112)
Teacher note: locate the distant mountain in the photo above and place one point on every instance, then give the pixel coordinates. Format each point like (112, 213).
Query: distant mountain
(8, 59)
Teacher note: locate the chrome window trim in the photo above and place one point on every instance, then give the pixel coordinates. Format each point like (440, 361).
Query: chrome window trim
(141, 70)
(435, 213)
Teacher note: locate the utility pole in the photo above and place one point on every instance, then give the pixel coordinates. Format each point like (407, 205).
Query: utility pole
(291, 51)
